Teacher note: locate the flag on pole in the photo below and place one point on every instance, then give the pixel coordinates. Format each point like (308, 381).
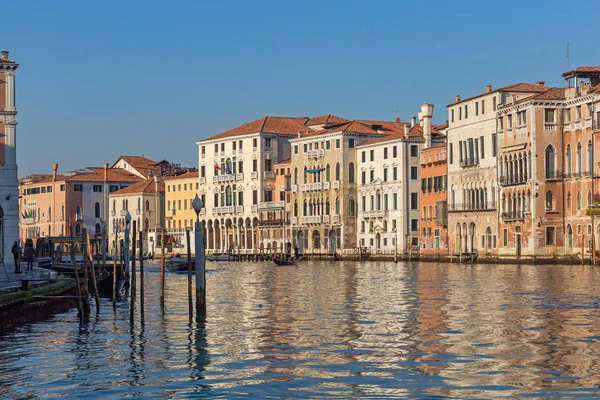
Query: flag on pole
(217, 166)
(227, 169)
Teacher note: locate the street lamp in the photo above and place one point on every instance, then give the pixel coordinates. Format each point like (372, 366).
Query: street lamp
(395, 244)
(199, 259)
(127, 222)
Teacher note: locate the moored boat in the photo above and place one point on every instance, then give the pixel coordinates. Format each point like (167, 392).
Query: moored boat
(280, 261)
(179, 264)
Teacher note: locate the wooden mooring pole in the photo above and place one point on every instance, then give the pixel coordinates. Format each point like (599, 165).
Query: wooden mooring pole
(89, 254)
(141, 274)
(133, 274)
(162, 274)
(76, 271)
(189, 282)
(115, 270)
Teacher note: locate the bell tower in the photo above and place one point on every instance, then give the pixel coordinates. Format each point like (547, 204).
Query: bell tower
(9, 182)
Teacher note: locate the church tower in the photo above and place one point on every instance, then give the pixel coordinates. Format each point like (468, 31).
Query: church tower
(9, 182)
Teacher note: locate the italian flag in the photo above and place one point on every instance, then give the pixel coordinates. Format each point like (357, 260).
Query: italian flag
(217, 166)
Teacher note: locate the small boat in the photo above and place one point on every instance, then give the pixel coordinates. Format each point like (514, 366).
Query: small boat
(221, 257)
(280, 261)
(179, 264)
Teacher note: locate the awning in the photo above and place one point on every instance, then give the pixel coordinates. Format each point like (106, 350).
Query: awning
(314, 171)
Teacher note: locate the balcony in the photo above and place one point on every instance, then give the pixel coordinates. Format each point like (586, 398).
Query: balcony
(271, 205)
(312, 219)
(294, 188)
(203, 180)
(78, 217)
(325, 185)
(374, 214)
(253, 208)
(511, 180)
(254, 175)
(588, 122)
(336, 219)
(489, 206)
(577, 125)
(522, 130)
(29, 221)
(294, 220)
(223, 210)
(228, 178)
(336, 185)
(269, 175)
(239, 209)
(469, 162)
(112, 214)
(549, 127)
(513, 216)
(325, 219)
(567, 126)
(271, 222)
(556, 176)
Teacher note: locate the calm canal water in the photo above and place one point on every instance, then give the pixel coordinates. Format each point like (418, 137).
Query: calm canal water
(347, 330)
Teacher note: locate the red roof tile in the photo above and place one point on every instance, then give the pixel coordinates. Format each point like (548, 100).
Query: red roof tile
(36, 179)
(325, 119)
(114, 175)
(145, 166)
(583, 70)
(275, 125)
(187, 175)
(518, 87)
(145, 186)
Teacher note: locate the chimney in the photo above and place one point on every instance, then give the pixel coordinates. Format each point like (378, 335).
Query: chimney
(156, 183)
(5, 55)
(105, 172)
(488, 88)
(412, 122)
(54, 170)
(457, 98)
(541, 83)
(427, 113)
(420, 116)
(406, 131)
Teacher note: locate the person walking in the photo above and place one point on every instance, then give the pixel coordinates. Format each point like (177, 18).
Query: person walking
(29, 256)
(16, 254)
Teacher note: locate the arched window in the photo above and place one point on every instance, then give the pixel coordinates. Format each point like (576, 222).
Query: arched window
(590, 167)
(78, 211)
(305, 175)
(488, 237)
(549, 201)
(569, 201)
(97, 210)
(351, 173)
(578, 159)
(550, 162)
(337, 206)
(295, 176)
(139, 207)
(327, 207)
(49, 214)
(578, 201)
(147, 205)
(127, 205)
(568, 160)
(589, 198)
(378, 198)
(77, 229)
(98, 229)
(327, 173)
(337, 171)
(351, 204)
(114, 210)
(228, 198)
(304, 209)
(295, 208)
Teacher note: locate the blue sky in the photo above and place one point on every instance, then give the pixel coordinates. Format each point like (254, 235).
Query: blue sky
(101, 79)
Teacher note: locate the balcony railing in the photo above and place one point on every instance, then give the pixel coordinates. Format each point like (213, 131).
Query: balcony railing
(577, 125)
(228, 178)
(469, 162)
(271, 205)
(336, 219)
(223, 210)
(554, 175)
(271, 222)
(325, 185)
(549, 127)
(312, 219)
(567, 126)
(336, 185)
(511, 180)
(294, 188)
(269, 175)
(294, 220)
(254, 208)
(202, 180)
(588, 122)
(522, 130)
(239, 209)
(29, 221)
(78, 217)
(490, 205)
(374, 214)
(254, 175)
(513, 215)
(325, 219)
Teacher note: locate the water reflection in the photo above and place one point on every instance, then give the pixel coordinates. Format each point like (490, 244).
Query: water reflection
(327, 329)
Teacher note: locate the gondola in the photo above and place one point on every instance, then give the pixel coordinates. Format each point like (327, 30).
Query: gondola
(279, 261)
(179, 264)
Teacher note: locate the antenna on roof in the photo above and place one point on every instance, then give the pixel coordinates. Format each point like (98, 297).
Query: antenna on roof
(568, 56)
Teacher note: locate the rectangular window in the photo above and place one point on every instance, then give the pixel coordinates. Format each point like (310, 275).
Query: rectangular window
(452, 115)
(62, 187)
(429, 181)
(423, 185)
(328, 145)
(254, 165)
(97, 188)
(549, 115)
(494, 145)
(203, 171)
(362, 227)
(255, 197)
(233, 145)
(385, 202)
(364, 203)
(268, 165)
(414, 201)
(216, 147)
(505, 237)
(372, 153)
(414, 225)
(337, 143)
(460, 151)
(476, 149)
(222, 147)
(364, 156)
(203, 150)
(395, 200)
(305, 148)
(466, 111)
(385, 174)
(49, 189)
(482, 106)
(482, 151)
(394, 151)
(550, 235)
(78, 188)
(459, 113)
(364, 177)
(216, 200)
(395, 173)
(414, 173)
(509, 122)
(295, 149)
(494, 105)
(476, 108)
(255, 143)
(414, 150)
(385, 153)
(241, 145)
(551, 112)
(350, 143)
(112, 188)
(372, 173)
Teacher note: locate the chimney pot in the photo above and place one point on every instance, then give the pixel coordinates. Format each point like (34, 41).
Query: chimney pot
(54, 171)
(542, 83)
(458, 97)
(5, 55)
(105, 171)
(406, 131)
(413, 121)
(426, 114)
(488, 88)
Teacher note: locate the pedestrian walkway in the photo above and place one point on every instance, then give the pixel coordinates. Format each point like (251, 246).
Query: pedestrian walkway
(9, 280)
